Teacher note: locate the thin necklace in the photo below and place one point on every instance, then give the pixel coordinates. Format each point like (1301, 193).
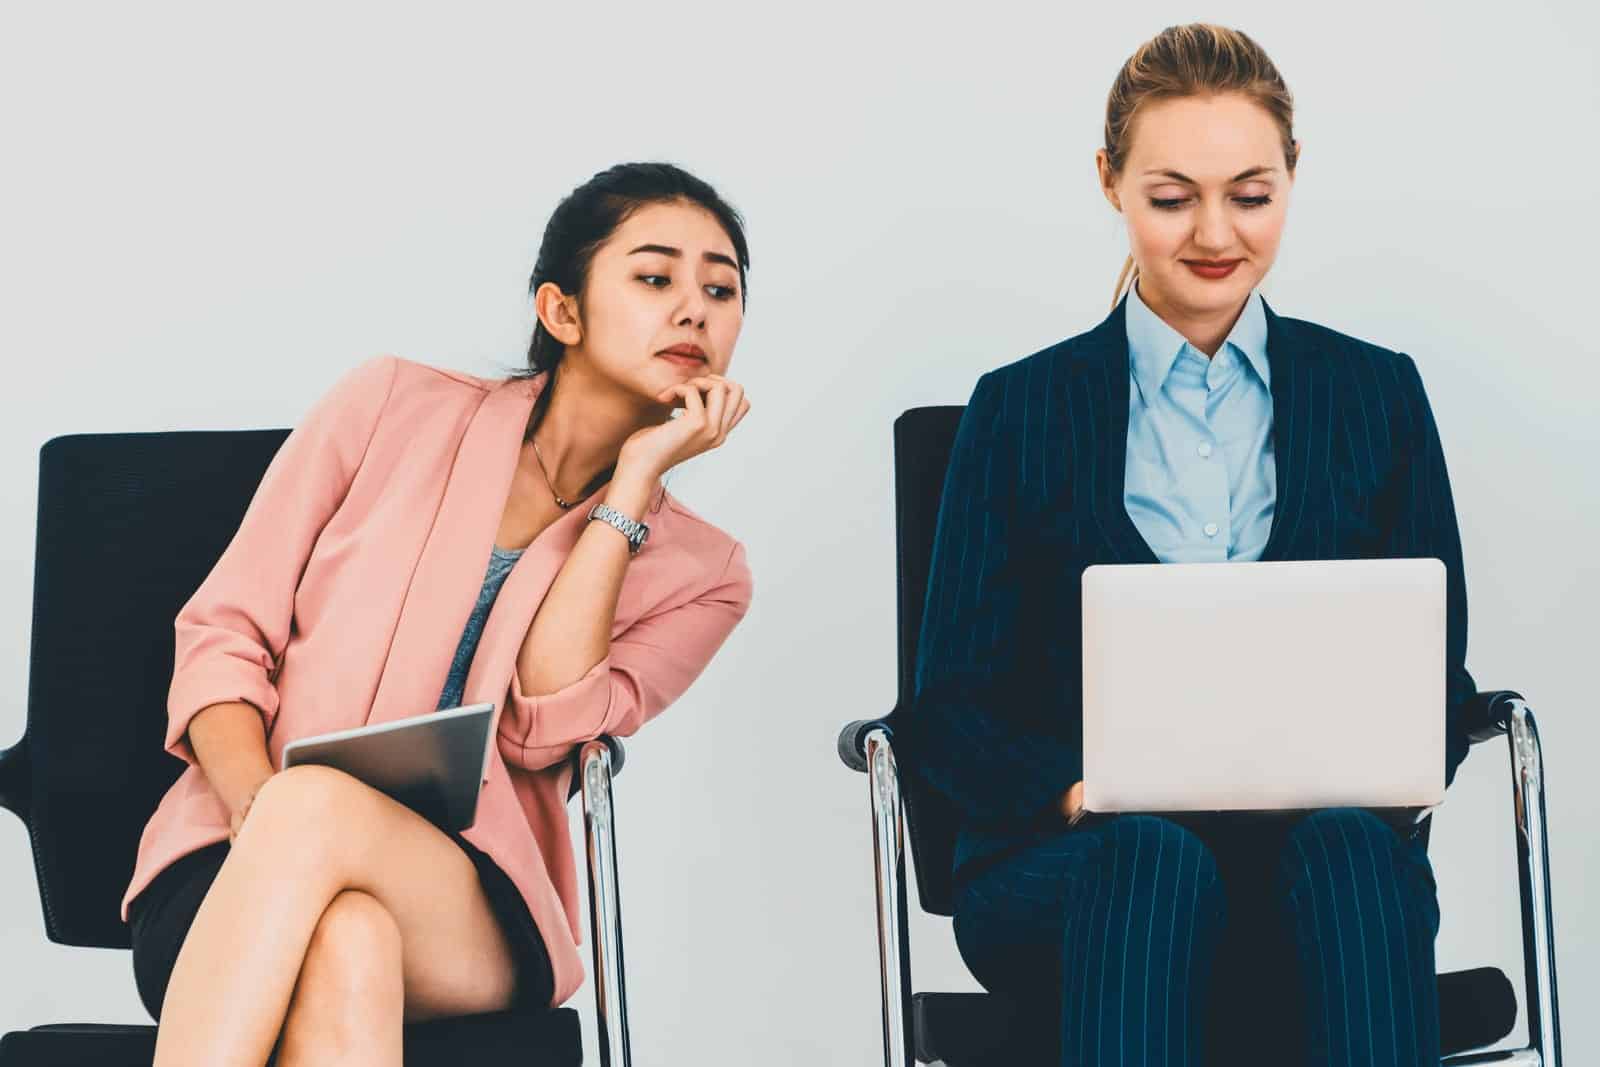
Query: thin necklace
(562, 503)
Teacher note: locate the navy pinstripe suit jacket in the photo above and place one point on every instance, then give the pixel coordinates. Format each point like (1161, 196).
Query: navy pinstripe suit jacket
(1034, 494)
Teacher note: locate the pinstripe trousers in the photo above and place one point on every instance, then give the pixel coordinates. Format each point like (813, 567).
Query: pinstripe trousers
(1236, 940)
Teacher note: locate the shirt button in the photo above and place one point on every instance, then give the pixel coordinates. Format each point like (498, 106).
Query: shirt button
(1211, 529)
(1205, 450)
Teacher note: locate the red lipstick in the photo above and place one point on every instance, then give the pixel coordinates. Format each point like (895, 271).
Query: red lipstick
(1213, 269)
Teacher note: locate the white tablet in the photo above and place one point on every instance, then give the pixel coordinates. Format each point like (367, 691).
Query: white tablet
(433, 763)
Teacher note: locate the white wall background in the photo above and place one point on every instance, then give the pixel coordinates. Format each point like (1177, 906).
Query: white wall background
(210, 212)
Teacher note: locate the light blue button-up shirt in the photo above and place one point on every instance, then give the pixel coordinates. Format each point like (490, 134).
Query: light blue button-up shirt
(1201, 479)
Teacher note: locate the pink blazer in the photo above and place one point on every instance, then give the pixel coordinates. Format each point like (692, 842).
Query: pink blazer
(344, 594)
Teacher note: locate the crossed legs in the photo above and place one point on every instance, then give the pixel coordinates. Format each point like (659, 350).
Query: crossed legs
(337, 915)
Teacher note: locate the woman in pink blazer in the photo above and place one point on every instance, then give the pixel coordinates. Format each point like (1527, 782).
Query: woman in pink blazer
(304, 910)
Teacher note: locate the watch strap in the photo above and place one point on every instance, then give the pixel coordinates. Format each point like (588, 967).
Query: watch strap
(636, 532)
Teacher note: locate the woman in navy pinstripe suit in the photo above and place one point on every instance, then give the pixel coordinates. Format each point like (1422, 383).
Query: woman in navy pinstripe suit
(1193, 424)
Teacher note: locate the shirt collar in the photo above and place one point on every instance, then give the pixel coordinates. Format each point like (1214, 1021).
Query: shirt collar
(1153, 346)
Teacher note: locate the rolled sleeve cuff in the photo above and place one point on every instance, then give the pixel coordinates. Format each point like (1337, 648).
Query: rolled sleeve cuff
(219, 682)
(537, 727)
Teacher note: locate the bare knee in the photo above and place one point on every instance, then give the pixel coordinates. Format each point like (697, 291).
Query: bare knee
(305, 815)
(351, 984)
(355, 940)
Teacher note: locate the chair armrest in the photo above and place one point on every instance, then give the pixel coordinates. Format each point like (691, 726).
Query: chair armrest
(15, 774)
(853, 741)
(618, 757)
(1488, 714)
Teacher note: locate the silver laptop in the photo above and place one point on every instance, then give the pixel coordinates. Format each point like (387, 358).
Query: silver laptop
(1263, 686)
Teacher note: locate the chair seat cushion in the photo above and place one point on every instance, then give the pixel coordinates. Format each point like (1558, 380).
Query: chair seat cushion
(80, 1045)
(1476, 1008)
(515, 1039)
(975, 1029)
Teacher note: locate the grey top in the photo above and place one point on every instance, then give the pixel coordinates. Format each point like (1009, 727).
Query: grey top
(501, 560)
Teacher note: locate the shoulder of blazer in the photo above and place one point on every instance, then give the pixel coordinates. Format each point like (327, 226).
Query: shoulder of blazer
(719, 552)
(1083, 352)
(1021, 391)
(411, 372)
(1353, 366)
(423, 390)
(1086, 352)
(1310, 338)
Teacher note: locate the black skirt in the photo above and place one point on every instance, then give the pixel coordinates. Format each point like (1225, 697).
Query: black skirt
(160, 917)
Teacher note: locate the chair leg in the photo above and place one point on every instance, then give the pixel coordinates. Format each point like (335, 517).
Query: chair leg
(605, 907)
(1538, 918)
(888, 851)
(1533, 870)
(1520, 1057)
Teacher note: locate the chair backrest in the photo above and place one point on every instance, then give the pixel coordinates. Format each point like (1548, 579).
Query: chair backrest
(129, 526)
(923, 438)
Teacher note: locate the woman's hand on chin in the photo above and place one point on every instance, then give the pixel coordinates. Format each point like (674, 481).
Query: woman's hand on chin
(710, 405)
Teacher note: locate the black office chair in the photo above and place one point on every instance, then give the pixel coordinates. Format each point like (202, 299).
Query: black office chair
(129, 525)
(1476, 1007)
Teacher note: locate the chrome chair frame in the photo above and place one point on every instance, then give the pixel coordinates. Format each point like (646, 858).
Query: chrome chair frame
(595, 767)
(1538, 917)
(868, 746)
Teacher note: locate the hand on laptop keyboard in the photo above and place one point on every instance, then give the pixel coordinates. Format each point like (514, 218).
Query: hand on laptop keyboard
(1072, 803)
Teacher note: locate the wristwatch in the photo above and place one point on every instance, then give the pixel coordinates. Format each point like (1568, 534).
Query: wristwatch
(635, 532)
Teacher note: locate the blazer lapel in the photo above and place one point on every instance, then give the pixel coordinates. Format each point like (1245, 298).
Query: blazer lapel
(1101, 392)
(1299, 420)
(450, 569)
(519, 600)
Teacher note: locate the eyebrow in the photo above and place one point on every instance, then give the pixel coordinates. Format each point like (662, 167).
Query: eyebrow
(677, 253)
(1253, 172)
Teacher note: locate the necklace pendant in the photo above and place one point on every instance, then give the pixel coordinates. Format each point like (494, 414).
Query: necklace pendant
(564, 505)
